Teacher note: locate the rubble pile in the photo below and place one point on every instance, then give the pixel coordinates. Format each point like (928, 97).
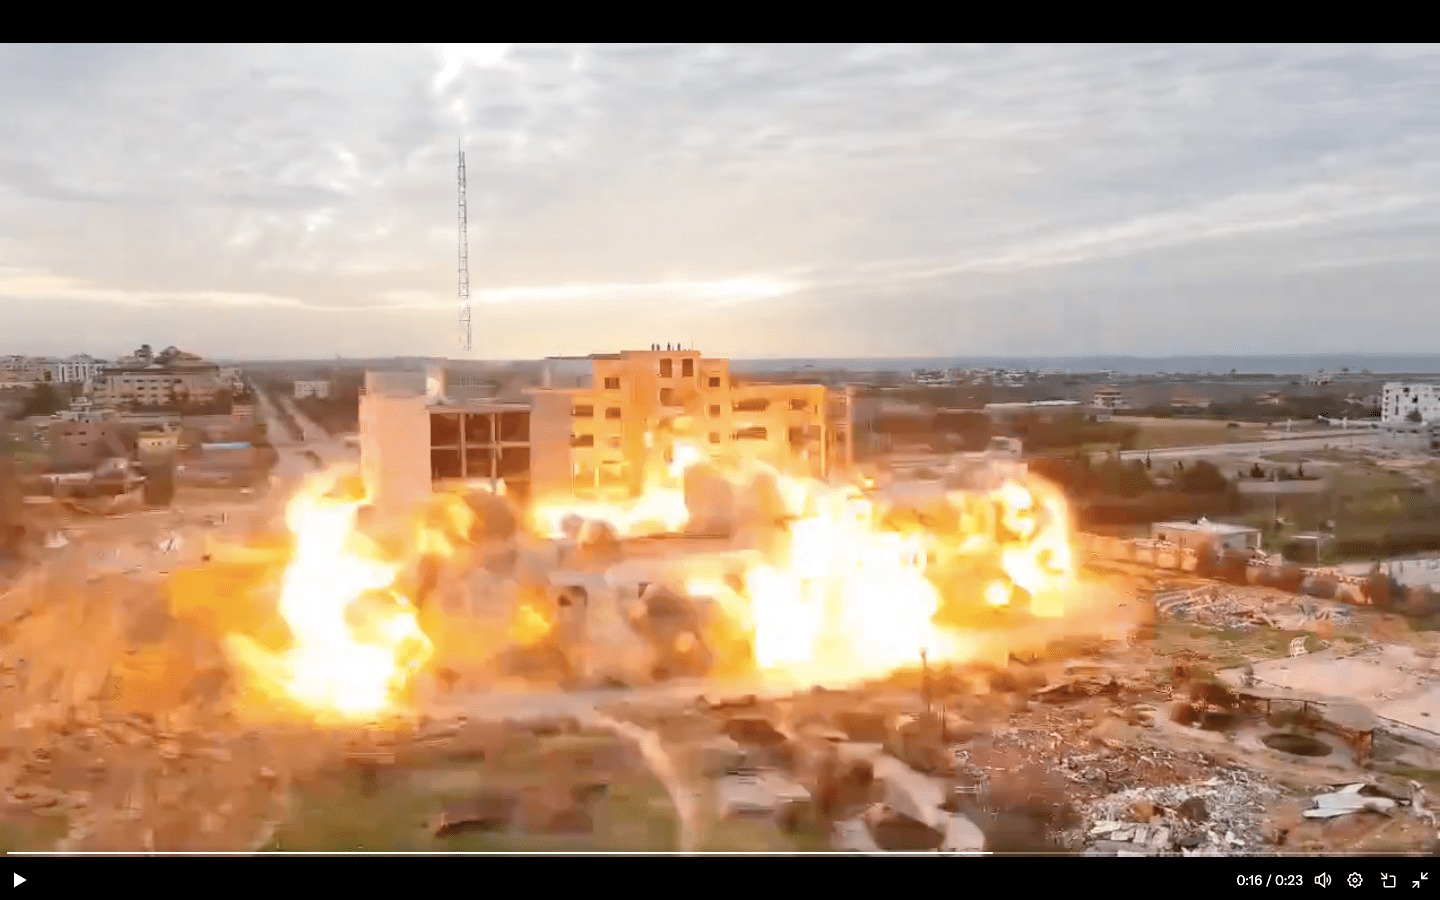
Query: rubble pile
(1222, 816)
(1235, 607)
(116, 731)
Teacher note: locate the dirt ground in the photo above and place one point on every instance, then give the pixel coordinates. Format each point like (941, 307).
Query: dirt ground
(1067, 748)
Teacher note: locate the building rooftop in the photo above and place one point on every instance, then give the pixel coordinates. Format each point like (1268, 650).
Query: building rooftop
(480, 406)
(1207, 527)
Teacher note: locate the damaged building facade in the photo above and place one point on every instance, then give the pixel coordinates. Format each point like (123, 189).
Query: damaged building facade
(592, 435)
(623, 398)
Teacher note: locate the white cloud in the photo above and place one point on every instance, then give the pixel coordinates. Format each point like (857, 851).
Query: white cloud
(870, 189)
(455, 58)
(692, 294)
(45, 287)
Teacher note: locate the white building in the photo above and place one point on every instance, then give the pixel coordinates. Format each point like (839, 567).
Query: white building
(79, 369)
(1205, 535)
(1108, 398)
(319, 389)
(1400, 402)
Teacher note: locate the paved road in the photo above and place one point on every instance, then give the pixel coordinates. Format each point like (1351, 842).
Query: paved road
(331, 450)
(1336, 440)
(293, 464)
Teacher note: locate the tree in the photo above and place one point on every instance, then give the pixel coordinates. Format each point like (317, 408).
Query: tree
(160, 485)
(12, 508)
(44, 400)
(1415, 416)
(1203, 478)
(1147, 460)
(1256, 471)
(1300, 471)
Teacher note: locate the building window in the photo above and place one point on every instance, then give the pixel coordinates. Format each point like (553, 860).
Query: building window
(667, 396)
(583, 412)
(714, 437)
(612, 412)
(615, 442)
(799, 405)
(687, 368)
(582, 440)
(667, 368)
(714, 381)
(714, 410)
(755, 433)
(612, 384)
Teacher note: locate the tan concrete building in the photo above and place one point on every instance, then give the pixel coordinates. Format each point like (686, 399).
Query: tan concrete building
(596, 436)
(414, 438)
(19, 370)
(83, 444)
(798, 428)
(158, 384)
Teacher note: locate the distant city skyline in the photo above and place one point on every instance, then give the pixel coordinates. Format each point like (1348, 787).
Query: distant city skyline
(759, 201)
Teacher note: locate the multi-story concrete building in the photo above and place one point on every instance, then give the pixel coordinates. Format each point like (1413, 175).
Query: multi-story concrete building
(1410, 404)
(596, 437)
(617, 411)
(18, 370)
(160, 382)
(83, 444)
(414, 437)
(317, 389)
(79, 369)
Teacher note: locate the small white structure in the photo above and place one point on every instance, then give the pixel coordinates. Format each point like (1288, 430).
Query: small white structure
(1208, 536)
(317, 389)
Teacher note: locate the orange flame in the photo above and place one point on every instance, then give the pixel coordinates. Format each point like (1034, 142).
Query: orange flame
(842, 597)
(355, 640)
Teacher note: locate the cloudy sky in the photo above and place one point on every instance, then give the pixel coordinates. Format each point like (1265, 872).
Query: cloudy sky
(771, 200)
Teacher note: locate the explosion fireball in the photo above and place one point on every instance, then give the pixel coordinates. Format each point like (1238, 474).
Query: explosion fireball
(838, 591)
(844, 595)
(355, 638)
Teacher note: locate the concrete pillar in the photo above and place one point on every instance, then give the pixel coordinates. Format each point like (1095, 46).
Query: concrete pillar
(394, 447)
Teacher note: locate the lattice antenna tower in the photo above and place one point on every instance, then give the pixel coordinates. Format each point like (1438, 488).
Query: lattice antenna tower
(464, 264)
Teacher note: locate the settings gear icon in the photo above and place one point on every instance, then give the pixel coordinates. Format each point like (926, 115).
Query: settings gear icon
(1354, 880)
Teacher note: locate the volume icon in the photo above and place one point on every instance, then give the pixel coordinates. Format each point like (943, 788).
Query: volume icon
(1323, 879)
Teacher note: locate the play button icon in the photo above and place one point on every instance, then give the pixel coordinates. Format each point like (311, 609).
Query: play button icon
(18, 881)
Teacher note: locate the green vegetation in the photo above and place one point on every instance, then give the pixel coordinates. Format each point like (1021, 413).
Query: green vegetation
(32, 833)
(1110, 493)
(1208, 649)
(337, 814)
(1429, 777)
(1185, 433)
(46, 399)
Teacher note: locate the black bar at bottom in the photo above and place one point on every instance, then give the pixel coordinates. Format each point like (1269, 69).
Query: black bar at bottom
(1350, 876)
